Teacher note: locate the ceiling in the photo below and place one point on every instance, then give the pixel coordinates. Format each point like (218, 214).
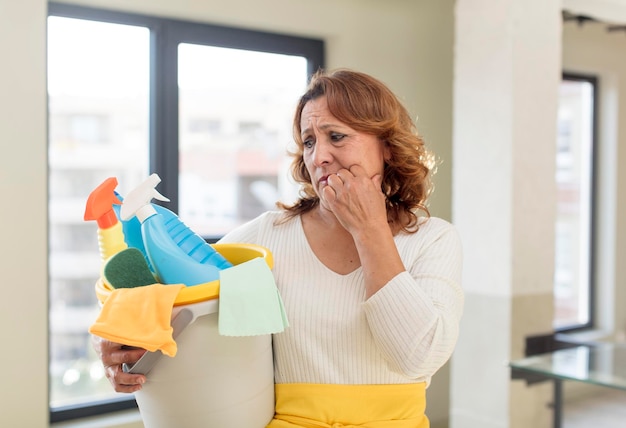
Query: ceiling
(608, 11)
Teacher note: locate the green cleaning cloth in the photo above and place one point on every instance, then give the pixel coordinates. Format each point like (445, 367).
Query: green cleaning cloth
(249, 302)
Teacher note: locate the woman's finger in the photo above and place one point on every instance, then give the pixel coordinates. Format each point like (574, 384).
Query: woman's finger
(124, 382)
(114, 356)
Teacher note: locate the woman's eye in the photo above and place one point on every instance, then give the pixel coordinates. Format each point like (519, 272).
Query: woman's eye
(336, 137)
(308, 143)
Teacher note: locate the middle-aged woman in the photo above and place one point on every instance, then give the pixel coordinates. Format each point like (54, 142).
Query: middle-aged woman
(370, 281)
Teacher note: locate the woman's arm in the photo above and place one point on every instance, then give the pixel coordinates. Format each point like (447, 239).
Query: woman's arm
(415, 317)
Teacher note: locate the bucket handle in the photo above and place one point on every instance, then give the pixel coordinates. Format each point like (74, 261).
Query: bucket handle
(180, 321)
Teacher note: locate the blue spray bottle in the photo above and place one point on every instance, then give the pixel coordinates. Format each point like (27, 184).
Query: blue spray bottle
(171, 261)
(188, 240)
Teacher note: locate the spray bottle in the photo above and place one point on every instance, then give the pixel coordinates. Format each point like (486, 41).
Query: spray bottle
(132, 231)
(189, 241)
(100, 208)
(171, 263)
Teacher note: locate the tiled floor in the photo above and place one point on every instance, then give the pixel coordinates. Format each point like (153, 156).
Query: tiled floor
(606, 409)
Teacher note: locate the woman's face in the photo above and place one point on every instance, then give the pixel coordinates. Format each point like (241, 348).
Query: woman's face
(331, 145)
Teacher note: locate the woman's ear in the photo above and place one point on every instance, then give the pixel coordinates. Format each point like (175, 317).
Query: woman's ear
(386, 151)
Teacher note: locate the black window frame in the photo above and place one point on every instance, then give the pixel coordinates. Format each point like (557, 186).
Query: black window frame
(590, 324)
(165, 35)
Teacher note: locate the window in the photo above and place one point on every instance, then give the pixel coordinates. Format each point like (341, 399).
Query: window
(241, 118)
(98, 86)
(573, 290)
(207, 108)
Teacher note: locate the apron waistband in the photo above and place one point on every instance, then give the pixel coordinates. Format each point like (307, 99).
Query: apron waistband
(349, 406)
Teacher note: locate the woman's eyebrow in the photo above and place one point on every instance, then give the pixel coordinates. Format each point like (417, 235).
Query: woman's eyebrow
(323, 127)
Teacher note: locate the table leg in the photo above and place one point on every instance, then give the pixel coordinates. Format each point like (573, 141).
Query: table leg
(557, 405)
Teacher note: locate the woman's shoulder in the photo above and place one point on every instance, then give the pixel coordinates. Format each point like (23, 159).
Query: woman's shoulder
(435, 236)
(436, 228)
(434, 224)
(251, 230)
(267, 218)
(272, 219)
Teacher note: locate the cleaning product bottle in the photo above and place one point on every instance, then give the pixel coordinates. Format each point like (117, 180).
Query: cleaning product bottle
(189, 241)
(100, 208)
(172, 265)
(132, 230)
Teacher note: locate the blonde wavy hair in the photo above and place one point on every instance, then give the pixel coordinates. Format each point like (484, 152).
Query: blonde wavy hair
(368, 105)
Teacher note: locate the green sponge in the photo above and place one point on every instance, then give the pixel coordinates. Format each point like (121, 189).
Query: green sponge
(128, 269)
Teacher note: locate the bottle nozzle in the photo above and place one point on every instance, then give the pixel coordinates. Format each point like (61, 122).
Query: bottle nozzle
(100, 204)
(137, 201)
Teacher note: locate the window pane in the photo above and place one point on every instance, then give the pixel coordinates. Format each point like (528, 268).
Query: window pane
(236, 110)
(98, 128)
(574, 204)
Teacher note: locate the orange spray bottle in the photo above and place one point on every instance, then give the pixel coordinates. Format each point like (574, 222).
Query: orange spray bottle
(100, 208)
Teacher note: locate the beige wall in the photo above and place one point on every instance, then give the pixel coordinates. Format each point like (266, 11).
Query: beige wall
(408, 44)
(23, 307)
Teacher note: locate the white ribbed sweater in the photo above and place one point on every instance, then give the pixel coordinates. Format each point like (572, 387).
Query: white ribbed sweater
(402, 334)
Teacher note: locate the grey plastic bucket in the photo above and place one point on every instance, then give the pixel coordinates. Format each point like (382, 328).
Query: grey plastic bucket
(213, 381)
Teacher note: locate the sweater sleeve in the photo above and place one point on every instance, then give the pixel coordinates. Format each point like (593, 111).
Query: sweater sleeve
(414, 318)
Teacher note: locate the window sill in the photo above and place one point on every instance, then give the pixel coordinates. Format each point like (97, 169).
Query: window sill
(123, 419)
(590, 336)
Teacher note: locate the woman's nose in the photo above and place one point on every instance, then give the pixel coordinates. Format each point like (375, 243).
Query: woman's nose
(322, 153)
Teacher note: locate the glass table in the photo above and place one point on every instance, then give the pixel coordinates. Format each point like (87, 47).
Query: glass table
(599, 363)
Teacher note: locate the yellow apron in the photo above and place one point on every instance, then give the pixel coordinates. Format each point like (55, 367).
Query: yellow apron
(347, 406)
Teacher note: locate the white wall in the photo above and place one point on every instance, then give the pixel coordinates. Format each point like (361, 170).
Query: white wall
(507, 72)
(408, 44)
